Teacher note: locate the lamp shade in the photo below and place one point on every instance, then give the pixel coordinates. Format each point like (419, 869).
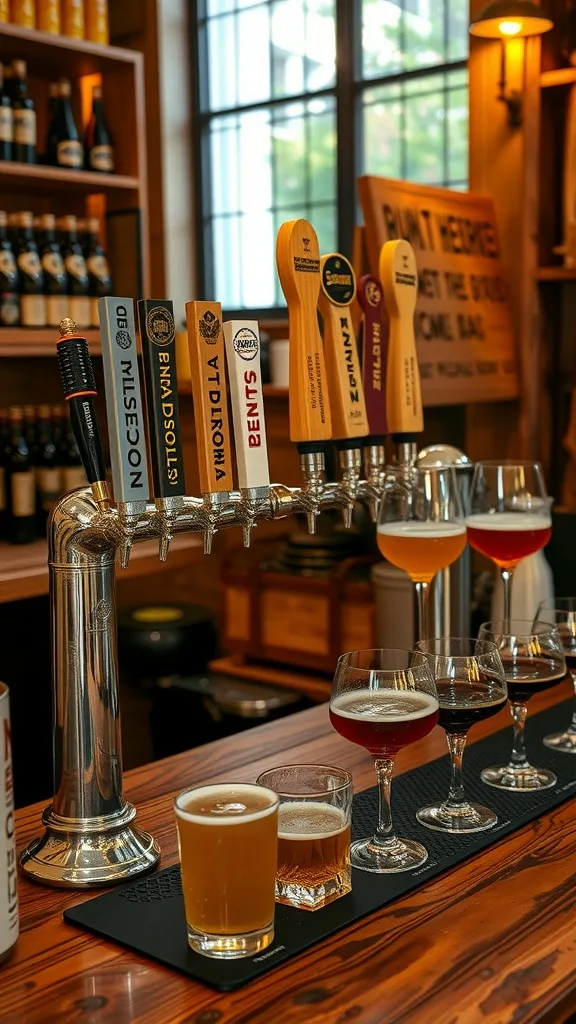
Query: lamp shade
(510, 19)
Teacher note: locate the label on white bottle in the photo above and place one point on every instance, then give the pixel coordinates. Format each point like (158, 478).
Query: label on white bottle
(25, 127)
(23, 486)
(102, 159)
(79, 306)
(48, 483)
(56, 309)
(73, 477)
(33, 311)
(69, 153)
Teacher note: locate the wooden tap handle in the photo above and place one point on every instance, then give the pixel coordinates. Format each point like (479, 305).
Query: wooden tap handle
(347, 405)
(399, 277)
(298, 262)
(242, 341)
(207, 363)
(374, 353)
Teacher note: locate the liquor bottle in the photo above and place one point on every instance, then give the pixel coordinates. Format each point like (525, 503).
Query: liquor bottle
(75, 264)
(3, 443)
(29, 426)
(64, 146)
(9, 300)
(48, 16)
(4, 10)
(73, 18)
(55, 279)
(13, 231)
(20, 484)
(46, 468)
(97, 21)
(30, 275)
(22, 12)
(98, 147)
(24, 149)
(6, 121)
(72, 472)
(100, 283)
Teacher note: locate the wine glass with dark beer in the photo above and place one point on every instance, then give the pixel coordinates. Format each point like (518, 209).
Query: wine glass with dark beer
(509, 516)
(561, 611)
(384, 700)
(421, 527)
(533, 660)
(471, 688)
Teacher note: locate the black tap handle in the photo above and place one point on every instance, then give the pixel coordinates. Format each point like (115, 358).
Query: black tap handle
(80, 390)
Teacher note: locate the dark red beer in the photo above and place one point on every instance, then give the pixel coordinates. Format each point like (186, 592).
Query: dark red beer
(383, 721)
(508, 537)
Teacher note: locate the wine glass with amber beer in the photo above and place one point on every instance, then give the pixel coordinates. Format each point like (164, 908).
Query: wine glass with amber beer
(421, 527)
(384, 700)
(509, 516)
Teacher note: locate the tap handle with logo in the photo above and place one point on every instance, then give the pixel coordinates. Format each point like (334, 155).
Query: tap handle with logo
(374, 355)
(298, 262)
(399, 277)
(77, 375)
(157, 334)
(207, 363)
(126, 432)
(242, 340)
(346, 394)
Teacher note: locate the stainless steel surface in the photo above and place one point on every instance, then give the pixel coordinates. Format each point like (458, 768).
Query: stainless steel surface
(350, 461)
(372, 488)
(407, 452)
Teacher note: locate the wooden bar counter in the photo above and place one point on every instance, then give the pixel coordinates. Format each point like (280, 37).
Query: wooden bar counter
(491, 942)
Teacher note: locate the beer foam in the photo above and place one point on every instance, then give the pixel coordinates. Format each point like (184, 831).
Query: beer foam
(310, 819)
(429, 531)
(230, 804)
(383, 705)
(516, 521)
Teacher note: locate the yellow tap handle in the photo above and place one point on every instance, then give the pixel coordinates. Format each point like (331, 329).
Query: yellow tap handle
(207, 363)
(298, 262)
(399, 278)
(347, 404)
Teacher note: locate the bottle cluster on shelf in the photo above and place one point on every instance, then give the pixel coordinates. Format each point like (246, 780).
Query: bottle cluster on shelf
(80, 19)
(63, 146)
(39, 461)
(49, 269)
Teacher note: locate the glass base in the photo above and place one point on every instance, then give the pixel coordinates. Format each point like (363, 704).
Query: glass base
(401, 855)
(563, 742)
(468, 818)
(230, 947)
(313, 897)
(518, 779)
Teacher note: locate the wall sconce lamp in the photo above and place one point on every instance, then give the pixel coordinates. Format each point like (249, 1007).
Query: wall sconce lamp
(505, 20)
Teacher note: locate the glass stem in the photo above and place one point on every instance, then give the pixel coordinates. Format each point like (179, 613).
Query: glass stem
(572, 729)
(506, 575)
(518, 757)
(422, 589)
(456, 797)
(385, 831)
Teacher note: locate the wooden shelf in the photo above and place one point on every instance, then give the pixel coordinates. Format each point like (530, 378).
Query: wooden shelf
(559, 76)
(31, 341)
(16, 177)
(556, 274)
(54, 55)
(24, 569)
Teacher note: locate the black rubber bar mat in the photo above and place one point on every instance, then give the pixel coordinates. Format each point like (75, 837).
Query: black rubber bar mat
(148, 915)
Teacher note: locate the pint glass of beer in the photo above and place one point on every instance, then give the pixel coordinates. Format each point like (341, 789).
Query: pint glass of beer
(313, 833)
(228, 841)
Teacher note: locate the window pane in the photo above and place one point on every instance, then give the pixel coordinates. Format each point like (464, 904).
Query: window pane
(424, 132)
(458, 135)
(226, 246)
(222, 54)
(422, 38)
(383, 132)
(400, 35)
(253, 38)
(289, 149)
(458, 36)
(303, 46)
(322, 150)
(224, 164)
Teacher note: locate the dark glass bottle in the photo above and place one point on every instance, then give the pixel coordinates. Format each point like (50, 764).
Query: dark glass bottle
(24, 149)
(75, 264)
(64, 146)
(6, 121)
(98, 146)
(3, 497)
(100, 282)
(47, 469)
(55, 279)
(20, 483)
(9, 299)
(30, 275)
(13, 231)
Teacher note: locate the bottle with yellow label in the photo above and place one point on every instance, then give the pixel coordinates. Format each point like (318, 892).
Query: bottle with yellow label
(23, 12)
(4, 10)
(73, 17)
(97, 21)
(48, 12)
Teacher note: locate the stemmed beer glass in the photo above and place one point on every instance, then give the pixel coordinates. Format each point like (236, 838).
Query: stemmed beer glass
(561, 611)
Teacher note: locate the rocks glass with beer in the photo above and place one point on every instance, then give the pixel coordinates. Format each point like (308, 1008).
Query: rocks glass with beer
(228, 841)
(314, 820)
(384, 700)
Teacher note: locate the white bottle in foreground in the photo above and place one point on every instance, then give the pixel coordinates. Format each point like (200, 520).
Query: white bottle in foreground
(8, 869)
(532, 583)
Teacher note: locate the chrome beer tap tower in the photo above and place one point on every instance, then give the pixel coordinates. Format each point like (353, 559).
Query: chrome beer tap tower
(90, 838)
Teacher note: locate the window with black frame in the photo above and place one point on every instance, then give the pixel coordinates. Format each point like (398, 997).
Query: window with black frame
(287, 91)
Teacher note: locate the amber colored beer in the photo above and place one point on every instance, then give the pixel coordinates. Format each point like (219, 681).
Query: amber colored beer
(228, 839)
(421, 549)
(313, 852)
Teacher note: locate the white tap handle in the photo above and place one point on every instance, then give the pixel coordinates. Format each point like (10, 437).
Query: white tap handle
(242, 341)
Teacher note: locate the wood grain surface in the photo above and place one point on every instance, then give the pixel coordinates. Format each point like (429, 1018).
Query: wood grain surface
(491, 942)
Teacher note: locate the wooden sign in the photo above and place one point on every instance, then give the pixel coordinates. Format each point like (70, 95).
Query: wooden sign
(465, 344)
